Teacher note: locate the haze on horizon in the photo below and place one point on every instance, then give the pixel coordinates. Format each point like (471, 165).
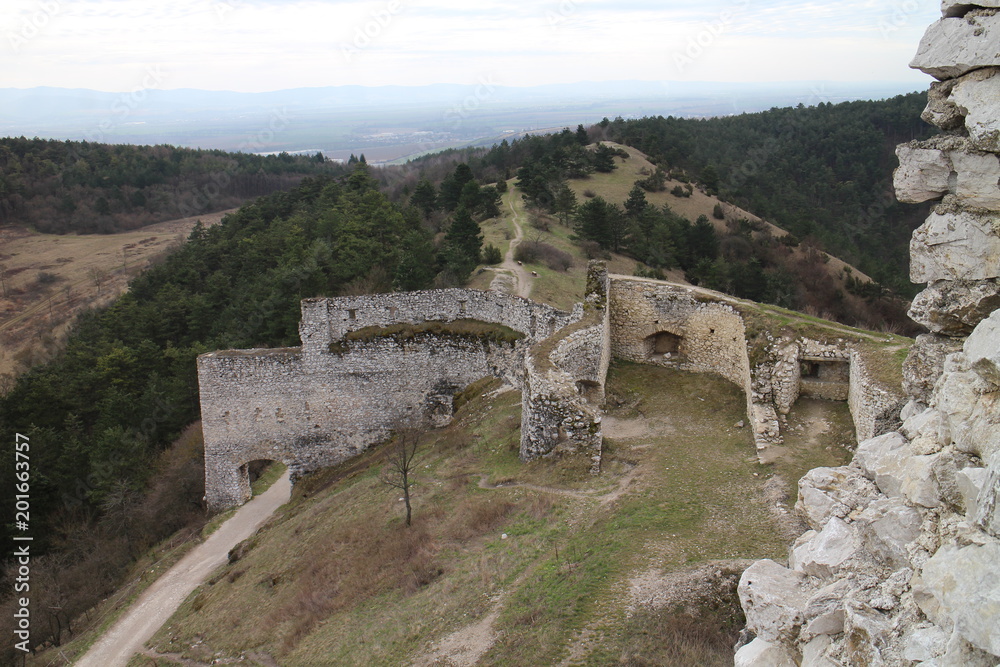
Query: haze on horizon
(268, 45)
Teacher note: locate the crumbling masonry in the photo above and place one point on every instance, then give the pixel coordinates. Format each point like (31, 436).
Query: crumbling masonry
(355, 378)
(901, 565)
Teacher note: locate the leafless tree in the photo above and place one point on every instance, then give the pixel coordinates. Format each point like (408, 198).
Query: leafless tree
(397, 470)
(98, 275)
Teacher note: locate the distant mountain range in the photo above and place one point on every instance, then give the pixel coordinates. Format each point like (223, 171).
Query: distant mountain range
(388, 121)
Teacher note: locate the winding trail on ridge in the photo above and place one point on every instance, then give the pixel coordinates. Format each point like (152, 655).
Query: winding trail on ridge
(158, 603)
(523, 281)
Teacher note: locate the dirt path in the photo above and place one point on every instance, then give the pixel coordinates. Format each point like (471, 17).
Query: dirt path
(128, 635)
(523, 281)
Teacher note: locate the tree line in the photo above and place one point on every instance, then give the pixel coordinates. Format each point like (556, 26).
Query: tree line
(84, 187)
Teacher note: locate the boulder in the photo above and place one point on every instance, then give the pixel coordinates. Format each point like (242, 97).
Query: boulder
(965, 581)
(954, 308)
(832, 492)
(827, 552)
(977, 97)
(955, 244)
(927, 424)
(887, 527)
(925, 363)
(952, 47)
(883, 460)
(972, 407)
(760, 653)
(982, 348)
(773, 598)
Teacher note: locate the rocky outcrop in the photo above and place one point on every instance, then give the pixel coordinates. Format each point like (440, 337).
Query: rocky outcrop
(901, 564)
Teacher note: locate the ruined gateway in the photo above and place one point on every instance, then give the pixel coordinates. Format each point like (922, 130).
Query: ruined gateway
(357, 376)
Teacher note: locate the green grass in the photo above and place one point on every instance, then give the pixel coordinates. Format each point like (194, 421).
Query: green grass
(359, 588)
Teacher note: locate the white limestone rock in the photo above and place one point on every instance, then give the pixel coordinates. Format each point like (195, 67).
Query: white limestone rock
(824, 611)
(977, 97)
(947, 165)
(926, 642)
(987, 507)
(773, 598)
(965, 581)
(923, 174)
(827, 552)
(868, 634)
(919, 481)
(971, 482)
(954, 308)
(955, 244)
(950, 8)
(982, 348)
(941, 111)
(883, 460)
(815, 653)
(760, 653)
(832, 492)
(887, 527)
(952, 47)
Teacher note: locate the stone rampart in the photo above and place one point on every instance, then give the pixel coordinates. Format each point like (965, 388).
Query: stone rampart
(902, 562)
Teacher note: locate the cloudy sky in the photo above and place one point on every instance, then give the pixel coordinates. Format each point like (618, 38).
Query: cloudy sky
(263, 45)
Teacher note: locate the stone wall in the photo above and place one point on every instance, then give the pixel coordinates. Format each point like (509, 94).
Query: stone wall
(267, 404)
(710, 334)
(320, 404)
(902, 562)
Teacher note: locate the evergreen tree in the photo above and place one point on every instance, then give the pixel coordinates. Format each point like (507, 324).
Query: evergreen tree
(636, 204)
(604, 159)
(565, 203)
(600, 221)
(425, 198)
(463, 244)
(582, 137)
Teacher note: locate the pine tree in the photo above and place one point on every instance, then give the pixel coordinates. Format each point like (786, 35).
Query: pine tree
(463, 244)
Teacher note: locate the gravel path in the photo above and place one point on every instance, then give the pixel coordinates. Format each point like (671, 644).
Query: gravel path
(158, 603)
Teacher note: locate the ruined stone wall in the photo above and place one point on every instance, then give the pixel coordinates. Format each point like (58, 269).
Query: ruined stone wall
(327, 320)
(902, 562)
(318, 405)
(265, 404)
(713, 335)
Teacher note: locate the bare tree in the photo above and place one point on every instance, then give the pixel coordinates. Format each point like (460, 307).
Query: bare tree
(397, 471)
(98, 275)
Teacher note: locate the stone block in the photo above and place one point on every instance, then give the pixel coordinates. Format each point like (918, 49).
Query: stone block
(925, 643)
(760, 653)
(883, 460)
(954, 308)
(982, 348)
(828, 551)
(965, 581)
(947, 165)
(955, 244)
(773, 598)
(977, 97)
(952, 47)
(825, 493)
(970, 483)
(887, 527)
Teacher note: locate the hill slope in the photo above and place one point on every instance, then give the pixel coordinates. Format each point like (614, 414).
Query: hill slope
(511, 563)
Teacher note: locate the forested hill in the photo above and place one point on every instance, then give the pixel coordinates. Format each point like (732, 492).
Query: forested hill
(822, 172)
(65, 186)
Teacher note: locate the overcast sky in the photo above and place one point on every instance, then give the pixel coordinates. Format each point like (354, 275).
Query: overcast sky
(263, 45)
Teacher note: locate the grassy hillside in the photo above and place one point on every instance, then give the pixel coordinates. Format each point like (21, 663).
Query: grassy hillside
(520, 564)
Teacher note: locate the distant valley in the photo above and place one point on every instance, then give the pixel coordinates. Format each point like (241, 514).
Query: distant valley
(388, 123)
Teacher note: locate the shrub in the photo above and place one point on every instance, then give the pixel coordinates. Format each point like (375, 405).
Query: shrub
(678, 191)
(492, 254)
(718, 213)
(589, 194)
